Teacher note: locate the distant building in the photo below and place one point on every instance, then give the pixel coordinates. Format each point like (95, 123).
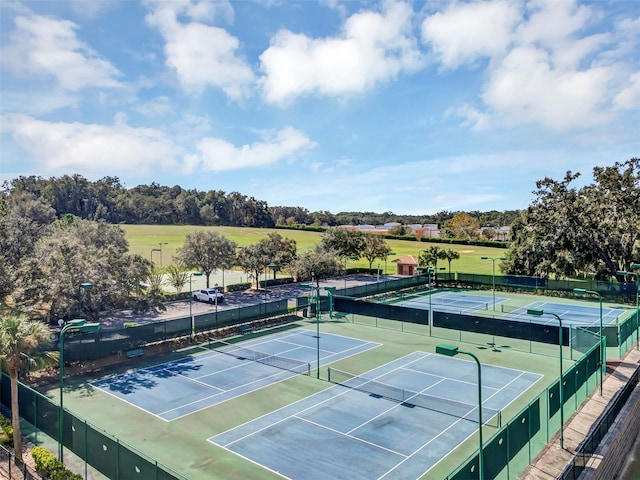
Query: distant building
(406, 265)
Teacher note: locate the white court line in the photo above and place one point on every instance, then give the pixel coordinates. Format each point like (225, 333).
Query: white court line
(360, 440)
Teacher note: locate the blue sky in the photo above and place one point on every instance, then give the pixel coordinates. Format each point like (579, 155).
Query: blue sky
(412, 108)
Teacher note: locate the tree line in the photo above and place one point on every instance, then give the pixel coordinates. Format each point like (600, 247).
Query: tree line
(107, 199)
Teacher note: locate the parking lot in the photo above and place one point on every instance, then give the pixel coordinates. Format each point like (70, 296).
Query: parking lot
(178, 309)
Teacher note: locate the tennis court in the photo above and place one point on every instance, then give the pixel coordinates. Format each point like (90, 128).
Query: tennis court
(452, 302)
(395, 422)
(174, 389)
(577, 315)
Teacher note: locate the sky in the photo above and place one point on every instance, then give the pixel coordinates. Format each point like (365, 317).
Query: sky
(391, 106)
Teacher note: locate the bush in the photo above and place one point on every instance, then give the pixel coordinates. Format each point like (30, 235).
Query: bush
(238, 287)
(6, 431)
(48, 464)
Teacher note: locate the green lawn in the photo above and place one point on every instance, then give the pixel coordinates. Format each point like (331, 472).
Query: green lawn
(143, 238)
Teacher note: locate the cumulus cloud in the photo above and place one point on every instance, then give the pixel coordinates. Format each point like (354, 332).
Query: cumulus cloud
(44, 46)
(215, 154)
(373, 48)
(201, 55)
(465, 32)
(543, 65)
(96, 149)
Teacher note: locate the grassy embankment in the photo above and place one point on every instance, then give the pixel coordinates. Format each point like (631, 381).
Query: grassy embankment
(144, 238)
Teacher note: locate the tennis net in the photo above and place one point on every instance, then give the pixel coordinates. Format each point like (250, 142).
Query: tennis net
(410, 398)
(244, 353)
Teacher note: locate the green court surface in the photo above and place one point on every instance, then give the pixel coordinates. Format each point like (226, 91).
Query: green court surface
(182, 444)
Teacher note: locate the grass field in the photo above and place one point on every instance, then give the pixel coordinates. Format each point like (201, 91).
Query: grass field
(143, 238)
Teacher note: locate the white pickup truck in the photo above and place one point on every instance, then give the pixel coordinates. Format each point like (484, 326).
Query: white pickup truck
(210, 295)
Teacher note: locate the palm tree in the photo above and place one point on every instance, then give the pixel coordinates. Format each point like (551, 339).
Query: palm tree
(19, 338)
(450, 255)
(177, 276)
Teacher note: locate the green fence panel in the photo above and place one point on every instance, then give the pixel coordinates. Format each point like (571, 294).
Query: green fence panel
(570, 385)
(469, 471)
(102, 453)
(133, 466)
(496, 456)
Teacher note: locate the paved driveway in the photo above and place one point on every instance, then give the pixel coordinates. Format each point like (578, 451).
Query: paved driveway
(180, 308)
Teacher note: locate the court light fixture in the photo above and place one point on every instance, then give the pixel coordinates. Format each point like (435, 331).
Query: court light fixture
(77, 325)
(493, 276)
(634, 267)
(603, 344)
(193, 321)
(539, 312)
(452, 351)
(81, 287)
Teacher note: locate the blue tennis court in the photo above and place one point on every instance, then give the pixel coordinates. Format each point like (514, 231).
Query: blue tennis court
(174, 389)
(451, 302)
(578, 315)
(344, 432)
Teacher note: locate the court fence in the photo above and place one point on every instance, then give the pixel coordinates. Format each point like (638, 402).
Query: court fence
(588, 446)
(477, 326)
(91, 346)
(514, 446)
(92, 445)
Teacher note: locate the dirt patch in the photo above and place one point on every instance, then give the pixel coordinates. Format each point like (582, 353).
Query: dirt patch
(466, 251)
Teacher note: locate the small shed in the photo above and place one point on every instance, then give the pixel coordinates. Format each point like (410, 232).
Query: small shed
(407, 265)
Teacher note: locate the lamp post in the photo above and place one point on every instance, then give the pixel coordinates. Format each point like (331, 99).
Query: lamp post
(155, 250)
(429, 270)
(603, 347)
(346, 259)
(385, 260)
(193, 321)
(493, 276)
(539, 312)
(378, 273)
(78, 325)
(452, 351)
(316, 290)
(215, 301)
(634, 267)
(162, 243)
(81, 287)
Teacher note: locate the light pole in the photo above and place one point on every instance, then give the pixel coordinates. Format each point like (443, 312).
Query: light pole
(193, 321)
(539, 312)
(634, 267)
(603, 347)
(346, 259)
(378, 273)
(274, 267)
(154, 250)
(452, 351)
(493, 276)
(317, 297)
(162, 243)
(429, 270)
(385, 260)
(78, 325)
(215, 300)
(81, 287)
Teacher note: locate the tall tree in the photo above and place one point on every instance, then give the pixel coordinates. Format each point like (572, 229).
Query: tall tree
(450, 255)
(207, 251)
(20, 338)
(319, 261)
(593, 229)
(75, 251)
(343, 242)
(463, 225)
(374, 246)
